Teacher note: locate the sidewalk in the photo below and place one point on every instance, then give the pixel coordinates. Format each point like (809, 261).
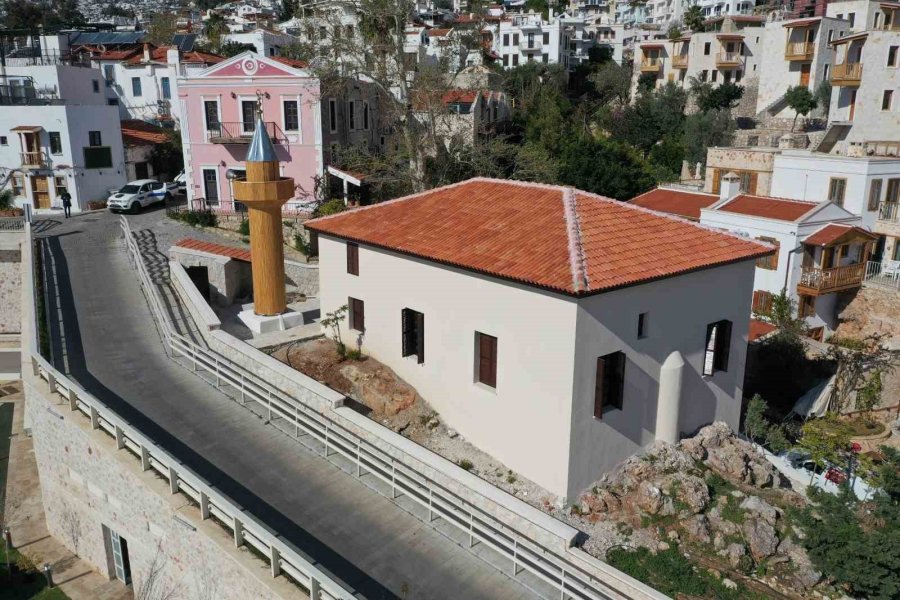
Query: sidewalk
(27, 525)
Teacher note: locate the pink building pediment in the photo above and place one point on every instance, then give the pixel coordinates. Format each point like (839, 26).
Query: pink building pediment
(250, 65)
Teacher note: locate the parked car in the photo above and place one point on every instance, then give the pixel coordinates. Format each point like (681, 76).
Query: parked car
(180, 182)
(135, 195)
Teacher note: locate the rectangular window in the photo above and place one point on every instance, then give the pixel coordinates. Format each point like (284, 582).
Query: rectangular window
(366, 116)
(886, 99)
(352, 258)
(718, 346)
(211, 114)
(642, 326)
(4, 141)
(515, 60)
(715, 75)
(852, 18)
(486, 359)
(351, 108)
(109, 75)
(112, 101)
(506, 60)
(892, 56)
(413, 334)
(836, 187)
(874, 194)
(806, 307)
(769, 262)
(166, 88)
(248, 115)
(515, 39)
(706, 48)
(97, 157)
(762, 302)
(506, 39)
(95, 85)
(332, 115)
(609, 385)
(55, 142)
(546, 37)
(135, 86)
(893, 191)
(18, 185)
(59, 182)
(94, 138)
(291, 116)
(357, 314)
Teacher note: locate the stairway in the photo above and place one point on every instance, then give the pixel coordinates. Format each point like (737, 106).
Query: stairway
(835, 133)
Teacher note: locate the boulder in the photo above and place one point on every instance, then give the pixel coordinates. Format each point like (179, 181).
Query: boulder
(735, 553)
(692, 491)
(803, 574)
(610, 501)
(591, 504)
(761, 537)
(760, 508)
(697, 528)
(649, 498)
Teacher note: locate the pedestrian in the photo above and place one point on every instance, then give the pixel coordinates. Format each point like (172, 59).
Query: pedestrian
(67, 203)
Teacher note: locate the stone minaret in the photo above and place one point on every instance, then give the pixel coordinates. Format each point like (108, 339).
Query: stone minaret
(265, 191)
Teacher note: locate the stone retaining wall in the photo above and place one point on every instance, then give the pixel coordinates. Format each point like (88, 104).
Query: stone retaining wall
(10, 290)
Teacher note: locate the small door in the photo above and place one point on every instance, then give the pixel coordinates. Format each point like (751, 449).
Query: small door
(120, 557)
(852, 104)
(141, 170)
(211, 185)
(248, 115)
(804, 74)
(40, 188)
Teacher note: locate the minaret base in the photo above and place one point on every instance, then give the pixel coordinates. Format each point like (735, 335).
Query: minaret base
(260, 324)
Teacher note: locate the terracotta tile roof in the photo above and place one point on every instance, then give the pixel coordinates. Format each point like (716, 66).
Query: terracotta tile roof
(291, 62)
(210, 248)
(675, 202)
(781, 209)
(548, 236)
(141, 133)
(802, 22)
(459, 96)
(834, 232)
(438, 32)
(758, 329)
(160, 55)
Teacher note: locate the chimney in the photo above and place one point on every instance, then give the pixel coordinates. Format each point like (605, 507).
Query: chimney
(146, 52)
(729, 186)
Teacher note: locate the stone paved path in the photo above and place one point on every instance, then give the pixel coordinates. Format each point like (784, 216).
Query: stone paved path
(27, 525)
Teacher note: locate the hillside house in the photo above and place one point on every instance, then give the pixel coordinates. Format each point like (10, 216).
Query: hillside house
(529, 317)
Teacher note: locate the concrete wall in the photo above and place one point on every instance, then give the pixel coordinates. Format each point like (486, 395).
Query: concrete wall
(10, 284)
(608, 323)
(304, 277)
(87, 484)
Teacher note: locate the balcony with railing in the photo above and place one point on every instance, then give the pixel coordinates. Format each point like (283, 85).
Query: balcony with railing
(729, 60)
(34, 160)
(884, 274)
(847, 74)
(240, 132)
(801, 51)
(887, 221)
(680, 61)
(651, 64)
(815, 281)
(530, 45)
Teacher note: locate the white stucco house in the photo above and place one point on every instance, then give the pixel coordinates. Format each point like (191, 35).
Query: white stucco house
(557, 330)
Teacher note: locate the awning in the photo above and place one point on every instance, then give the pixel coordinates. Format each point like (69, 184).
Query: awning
(349, 177)
(850, 38)
(835, 234)
(803, 22)
(27, 128)
(652, 45)
(730, 36)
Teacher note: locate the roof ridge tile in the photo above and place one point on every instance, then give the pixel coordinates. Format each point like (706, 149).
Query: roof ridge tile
(576, 248)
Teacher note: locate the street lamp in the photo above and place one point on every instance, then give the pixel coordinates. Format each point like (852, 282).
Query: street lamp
(48, 573)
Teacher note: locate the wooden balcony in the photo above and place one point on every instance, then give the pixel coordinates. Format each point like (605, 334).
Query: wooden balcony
(799, 51)
(651, 65)
(847, 74)
(680, 61)
(729, 60)
(34, 160)
(816, 282)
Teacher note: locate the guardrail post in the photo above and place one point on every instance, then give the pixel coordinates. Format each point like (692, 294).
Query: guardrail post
(275, 558)
(471, 530)
(204, 505)
(242, 389)
(216, 363)
(358, 452)
(315, 592)
(95, 418)
(73, 401)
(35, 367)
(515, 557)
(393, 479)
(120, 438)
(326, 440)
(238, 532)
(173, 480)
(51, 382)
(562, 586)
(270, 407)
(145, 458)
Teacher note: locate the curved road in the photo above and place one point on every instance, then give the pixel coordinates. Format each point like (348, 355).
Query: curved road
(104, 337)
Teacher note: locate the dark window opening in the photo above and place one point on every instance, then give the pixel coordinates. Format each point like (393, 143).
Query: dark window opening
(357, 314)
(609, 386)
(352, 258)
(718, 345)
(413, 334)
(486, 359)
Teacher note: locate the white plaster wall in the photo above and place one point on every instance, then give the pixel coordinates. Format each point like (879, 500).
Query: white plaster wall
(863, 11)
(525, 421)
(72, 84)
(679, 310)
(85, 480)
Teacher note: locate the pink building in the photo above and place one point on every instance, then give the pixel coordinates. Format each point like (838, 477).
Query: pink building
(219, 108)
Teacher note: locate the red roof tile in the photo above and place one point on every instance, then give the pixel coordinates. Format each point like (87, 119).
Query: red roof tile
(834, 232)
(438, 32)
(781, 209)
(210, 248)
(160, 55)
(291, 62)
(548, 236)
(141, 133)
(759, 328)
(675, 202)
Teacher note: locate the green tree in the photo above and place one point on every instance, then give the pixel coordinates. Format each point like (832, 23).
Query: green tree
(611, 82)
(214, 28)
(653, 115)
(760, 429)
(287, 9)
(801, 101)
(674, 33)
(869, 395)
(783, 315)
(666, 157)
(826, 439)
(232, 48)
(168, 157)
(716, 97)
(694, 19)
(161, 29)
(604, 167)
(22, 14)
(703, 130)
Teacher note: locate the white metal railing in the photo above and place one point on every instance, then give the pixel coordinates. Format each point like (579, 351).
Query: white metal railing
(12, 223)
(282, 557)
(568, 578)
(888, 212)
(884, 274)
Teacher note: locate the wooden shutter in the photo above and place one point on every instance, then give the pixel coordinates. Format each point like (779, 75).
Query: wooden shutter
(717, 180)
(357, 315)
(754, 178)
(420, 336)
(407, 329)
(352, 258)
(487, 359)
(599, 388)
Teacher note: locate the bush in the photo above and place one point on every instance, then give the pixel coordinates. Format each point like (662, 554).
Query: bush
(302, 244)
(6, 199)
(466, 464)
(244, 227)
(197, 218)
(332, 207)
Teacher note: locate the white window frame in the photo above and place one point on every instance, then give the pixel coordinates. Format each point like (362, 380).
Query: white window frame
(203, 169)
(299, 131)
(240, 111)
(203, 101)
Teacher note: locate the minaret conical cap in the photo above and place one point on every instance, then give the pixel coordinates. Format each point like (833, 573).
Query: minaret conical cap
(261, 147)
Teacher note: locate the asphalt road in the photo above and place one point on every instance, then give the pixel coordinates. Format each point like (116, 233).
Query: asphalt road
(104, 337)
